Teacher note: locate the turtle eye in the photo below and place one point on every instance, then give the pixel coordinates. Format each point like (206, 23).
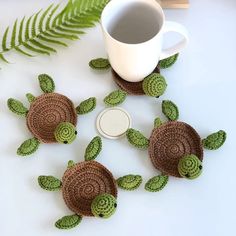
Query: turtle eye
(200, 167)
(65, 142)
(187, 176)
(115, 205)
(76, 132)
(101, 215)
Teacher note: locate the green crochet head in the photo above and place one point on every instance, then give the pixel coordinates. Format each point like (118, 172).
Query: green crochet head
(154, 85)
(190, 167)
(65, 133)
(104, 205)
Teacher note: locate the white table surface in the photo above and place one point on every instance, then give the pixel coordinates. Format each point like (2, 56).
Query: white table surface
(202, 83)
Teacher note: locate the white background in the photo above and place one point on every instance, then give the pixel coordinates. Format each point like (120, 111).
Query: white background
(202, 83)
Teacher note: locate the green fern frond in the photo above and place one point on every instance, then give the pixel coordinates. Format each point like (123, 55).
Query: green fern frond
(42, 31)
(40, 45)
(35, 49)
(18, 49)
(53, 41)
(34, 24)
(20, 35)
(43, 17)
(13, 36)
(50, 16)
(4, 40)
(56, 34)
(3, 58)
(27, 28)
(66, 30)
(79, 25)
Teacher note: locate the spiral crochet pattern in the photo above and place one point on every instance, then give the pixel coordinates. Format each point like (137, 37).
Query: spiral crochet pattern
(132, 88)
(190, 167)
(154, 85)
(65, 133)
(104, 205)
(170, 142)
(82, 183)
(99, 64)
(46, 113)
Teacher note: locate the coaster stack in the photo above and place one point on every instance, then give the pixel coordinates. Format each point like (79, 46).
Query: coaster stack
(132, 88)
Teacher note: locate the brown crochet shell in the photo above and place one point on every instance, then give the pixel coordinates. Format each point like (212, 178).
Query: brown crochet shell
(170, 142)
(132, 88)
(83, 182)
(46, 112)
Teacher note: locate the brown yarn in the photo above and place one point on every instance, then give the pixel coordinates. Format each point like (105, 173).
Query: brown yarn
(46, 112)
(83, 182)
(170, 142)
(132, 88)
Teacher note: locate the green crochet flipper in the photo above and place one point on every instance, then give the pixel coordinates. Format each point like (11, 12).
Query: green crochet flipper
(175, 148)
(51, 117)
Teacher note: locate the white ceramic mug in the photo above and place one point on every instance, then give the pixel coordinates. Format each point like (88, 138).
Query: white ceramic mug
(133, 32)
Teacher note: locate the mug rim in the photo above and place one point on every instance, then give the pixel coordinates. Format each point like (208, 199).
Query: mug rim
(126, 1)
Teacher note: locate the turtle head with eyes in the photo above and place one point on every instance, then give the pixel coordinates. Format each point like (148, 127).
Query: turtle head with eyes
(65, 133)
(190, 167)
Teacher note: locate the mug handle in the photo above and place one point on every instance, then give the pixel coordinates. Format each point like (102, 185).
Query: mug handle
(171, 26)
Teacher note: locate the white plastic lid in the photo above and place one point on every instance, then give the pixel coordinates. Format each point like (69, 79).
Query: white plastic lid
(113, 123)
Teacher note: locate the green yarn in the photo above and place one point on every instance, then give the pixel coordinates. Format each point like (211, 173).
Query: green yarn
(157, 122)
(190, 167)
(93, 149)
(86, 106)
(46, 83)
(65, 133)
(156, 183)
(154, 85)
(115, 98)
(168, 62)
(99, 64)
(104, 205)
(129, 182)
(30, 97)
(49, 183)
(137, 139)
(17, 107)
(70, 164)
(68, 222)
(170, 110)
(215, 140)
(28, 147)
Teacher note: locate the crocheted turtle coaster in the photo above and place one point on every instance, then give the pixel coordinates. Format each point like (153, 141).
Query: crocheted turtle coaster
(132, 88)
(170, 142)
(51, 118)
(88, 188)
(83, 182)
(175, 148)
